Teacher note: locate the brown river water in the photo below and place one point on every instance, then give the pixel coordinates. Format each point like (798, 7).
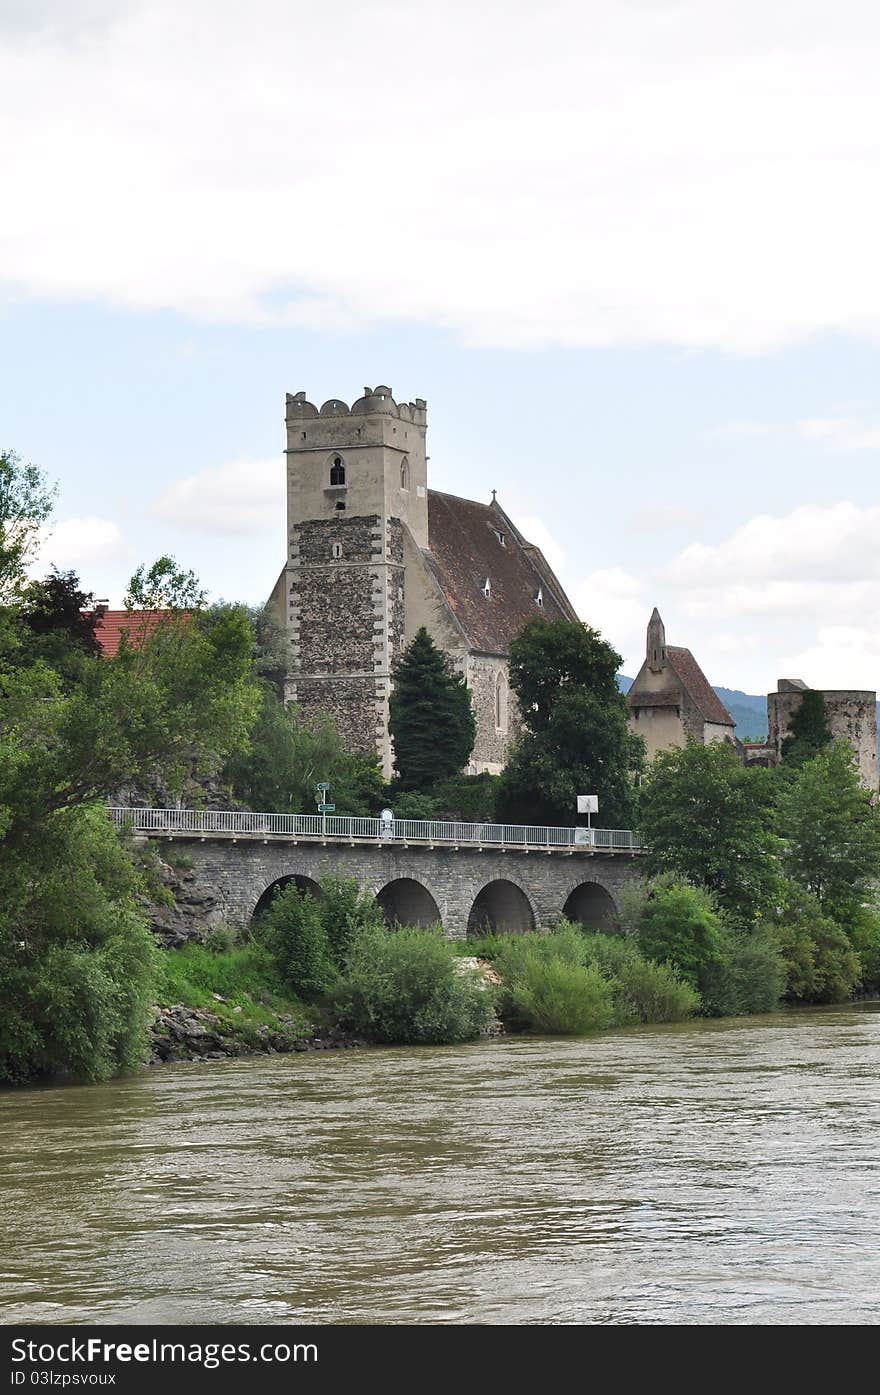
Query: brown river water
(707, 1172)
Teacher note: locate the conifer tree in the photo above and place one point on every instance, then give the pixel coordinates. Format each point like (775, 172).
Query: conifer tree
(430, 717)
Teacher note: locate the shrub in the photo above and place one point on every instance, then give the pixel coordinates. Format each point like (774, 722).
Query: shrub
(649, 992)
(820, 962)
(77, 961)
(294, 930)
(407, 986)
(220, 938)
(679, 925)
(551, 994)
(864, 935)
(609, 952)
(345, 909)
(749, 976)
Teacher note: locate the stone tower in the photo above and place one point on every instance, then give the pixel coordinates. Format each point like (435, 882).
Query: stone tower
(354, 477)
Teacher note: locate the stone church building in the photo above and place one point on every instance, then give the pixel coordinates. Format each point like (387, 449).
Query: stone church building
(373, 554)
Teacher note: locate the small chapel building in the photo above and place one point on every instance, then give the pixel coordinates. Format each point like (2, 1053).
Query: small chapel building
(672, 700)
(373, 554)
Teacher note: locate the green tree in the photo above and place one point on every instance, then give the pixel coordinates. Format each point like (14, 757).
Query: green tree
(821, 964)
(576, 738)
(59, 623)
(809, 731)
(287, 756)
(832, 832)
(679, 925)
(295, 932)
(25, 506)
(76, 957)
(431, 717)
(711, 820)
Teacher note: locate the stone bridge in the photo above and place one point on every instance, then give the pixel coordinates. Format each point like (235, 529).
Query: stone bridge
(465, 888)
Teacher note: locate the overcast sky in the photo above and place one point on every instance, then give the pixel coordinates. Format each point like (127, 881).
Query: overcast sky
(627, 251)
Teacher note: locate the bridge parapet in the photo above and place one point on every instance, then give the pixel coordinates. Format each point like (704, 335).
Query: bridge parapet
(426, 833)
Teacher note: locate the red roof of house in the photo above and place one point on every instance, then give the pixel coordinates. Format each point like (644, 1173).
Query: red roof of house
(136, 624)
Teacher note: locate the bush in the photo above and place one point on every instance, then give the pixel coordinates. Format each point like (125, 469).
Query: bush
(345, 909)
(679, 925)
(749, 976)
(551, 994)
(407, 986)
(649, 992)
(864, 935)
(77, 961)
(220, 938)
(293, 928)
(610, 953)
(565, 942)
(821, 964)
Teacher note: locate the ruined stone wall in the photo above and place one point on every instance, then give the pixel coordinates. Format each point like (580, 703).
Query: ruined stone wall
(852, 716)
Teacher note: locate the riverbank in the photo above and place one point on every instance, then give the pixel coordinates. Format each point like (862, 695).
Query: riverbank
(181, 1033)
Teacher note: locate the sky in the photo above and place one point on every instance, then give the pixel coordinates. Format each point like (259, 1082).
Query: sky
(626, 250)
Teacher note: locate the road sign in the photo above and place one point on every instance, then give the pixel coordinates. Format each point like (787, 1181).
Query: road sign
(326, 808)
(322, 786)
(588, 804)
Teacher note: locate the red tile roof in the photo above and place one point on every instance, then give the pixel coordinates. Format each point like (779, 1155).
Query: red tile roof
(465, 551)
(698, 687)
(136, 624)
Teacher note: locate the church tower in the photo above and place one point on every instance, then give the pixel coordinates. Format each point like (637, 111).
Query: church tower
(354, 477)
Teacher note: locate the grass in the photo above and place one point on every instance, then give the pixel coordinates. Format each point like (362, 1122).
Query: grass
(246, 976)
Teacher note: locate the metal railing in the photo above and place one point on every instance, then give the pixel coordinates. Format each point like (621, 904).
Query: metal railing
(336, 828)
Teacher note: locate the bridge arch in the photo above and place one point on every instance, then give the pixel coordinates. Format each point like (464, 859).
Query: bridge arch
(592, 905)
(501, 907)
(406, 901)
(303, 883)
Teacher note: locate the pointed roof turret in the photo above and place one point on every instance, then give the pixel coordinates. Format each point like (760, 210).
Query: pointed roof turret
(655, 651)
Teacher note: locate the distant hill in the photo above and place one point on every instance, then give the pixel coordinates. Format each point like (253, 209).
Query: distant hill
(748, 711)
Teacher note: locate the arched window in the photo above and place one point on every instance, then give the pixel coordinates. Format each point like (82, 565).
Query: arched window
(337, 471)
(500, 702)
(404, 474)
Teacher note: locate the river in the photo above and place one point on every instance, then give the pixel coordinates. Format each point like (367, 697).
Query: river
(708, 1172)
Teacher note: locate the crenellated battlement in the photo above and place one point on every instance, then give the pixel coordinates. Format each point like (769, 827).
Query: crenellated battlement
(377, 401)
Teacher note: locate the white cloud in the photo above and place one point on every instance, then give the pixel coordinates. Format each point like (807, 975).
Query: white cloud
(665, 518)
(75, 544)
(242, 498)
(800, 593)
(849, 653)
(816, 546)
(535, 530)
(841, 433)
(692, 173)
(613, 600)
